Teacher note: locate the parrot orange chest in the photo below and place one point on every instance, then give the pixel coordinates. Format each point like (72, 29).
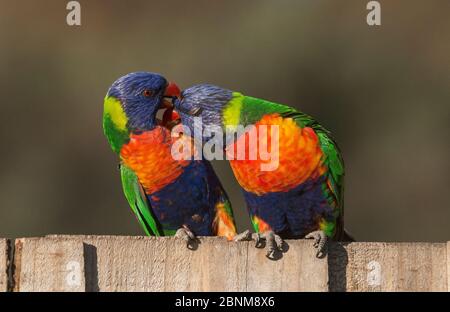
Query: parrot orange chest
(297, 158)
(149, 155)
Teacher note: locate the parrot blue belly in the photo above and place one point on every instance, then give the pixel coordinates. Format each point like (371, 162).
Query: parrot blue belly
(293, 213)
(187, 201)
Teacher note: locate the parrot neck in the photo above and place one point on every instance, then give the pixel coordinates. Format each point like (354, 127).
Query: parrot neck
(246, 110)
(232, 111)
(115, 124)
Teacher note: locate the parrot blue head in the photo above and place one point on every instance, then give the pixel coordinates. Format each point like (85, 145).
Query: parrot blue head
(205, 101)
(141, 95)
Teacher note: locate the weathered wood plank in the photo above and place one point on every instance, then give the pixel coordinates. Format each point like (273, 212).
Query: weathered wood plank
(119, 263)
(3, 265)
(297, 270)
(217, 265)
(115, 263)
(49, 264)
(388, 267)
(125, 263)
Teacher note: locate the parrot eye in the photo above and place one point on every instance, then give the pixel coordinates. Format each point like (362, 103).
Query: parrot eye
(147, 93)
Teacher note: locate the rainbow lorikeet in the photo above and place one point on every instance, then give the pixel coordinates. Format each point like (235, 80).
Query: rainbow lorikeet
(302, 195)
(168, 196)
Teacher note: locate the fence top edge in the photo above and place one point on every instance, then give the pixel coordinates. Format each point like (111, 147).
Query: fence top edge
(208, 238)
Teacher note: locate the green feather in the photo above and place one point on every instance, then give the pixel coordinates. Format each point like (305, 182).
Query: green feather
(116, 138)
(138, 202)
(115, 123)
(254, 109)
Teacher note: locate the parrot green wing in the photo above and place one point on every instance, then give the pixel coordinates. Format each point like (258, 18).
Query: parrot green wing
(333, 158)
(333, 188)
(138, 201)
(253, 109)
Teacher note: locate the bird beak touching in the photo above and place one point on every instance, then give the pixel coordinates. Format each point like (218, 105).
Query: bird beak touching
(172, 91)
(170, 117)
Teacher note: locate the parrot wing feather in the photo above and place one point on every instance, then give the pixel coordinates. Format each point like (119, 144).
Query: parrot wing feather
(334, 185)
(138, 201)
(333, 157)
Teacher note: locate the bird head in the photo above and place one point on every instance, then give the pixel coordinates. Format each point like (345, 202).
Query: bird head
(134, 100)
(132, 103)
(204, 101)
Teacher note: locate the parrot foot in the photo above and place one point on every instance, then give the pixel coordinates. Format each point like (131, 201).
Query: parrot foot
(274, 242)
(186, 234)
(244, 236)
(320, 241)
(248, 236)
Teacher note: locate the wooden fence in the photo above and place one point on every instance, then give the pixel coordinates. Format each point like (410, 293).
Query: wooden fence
(119, 263)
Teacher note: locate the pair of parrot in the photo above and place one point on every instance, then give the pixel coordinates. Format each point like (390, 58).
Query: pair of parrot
(301, 198)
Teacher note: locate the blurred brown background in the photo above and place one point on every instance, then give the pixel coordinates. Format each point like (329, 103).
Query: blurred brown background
(383, 91)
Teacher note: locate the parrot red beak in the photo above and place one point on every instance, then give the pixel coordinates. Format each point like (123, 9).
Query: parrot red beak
(172, 90)
(170, 117)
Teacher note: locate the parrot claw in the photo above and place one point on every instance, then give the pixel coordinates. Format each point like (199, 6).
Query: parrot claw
(244, 236)
(185, 234)
(248, 236)
(258, 238)
(320, 241)
(274, 242)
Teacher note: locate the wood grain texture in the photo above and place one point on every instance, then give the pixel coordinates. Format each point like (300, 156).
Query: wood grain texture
(124, 263)
(120, 263)
(217, 265)
(388, 267)
(297, 270)
(3, 265)
(116, 263)
(49, 264)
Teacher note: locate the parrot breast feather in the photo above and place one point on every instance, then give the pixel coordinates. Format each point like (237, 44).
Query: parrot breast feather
(254, 109)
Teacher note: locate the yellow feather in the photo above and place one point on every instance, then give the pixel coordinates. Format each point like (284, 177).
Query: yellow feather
(232, 113)
(113, 108)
